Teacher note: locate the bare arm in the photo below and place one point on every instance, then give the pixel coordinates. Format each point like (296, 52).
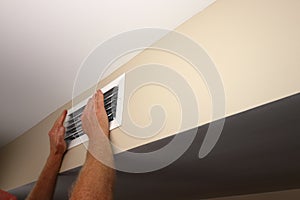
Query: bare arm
(96, 179)
(45, 185)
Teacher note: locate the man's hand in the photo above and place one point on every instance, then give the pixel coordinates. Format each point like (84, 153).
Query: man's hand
(58, 145)
(44, 187)
(94, 118)
(95, 125)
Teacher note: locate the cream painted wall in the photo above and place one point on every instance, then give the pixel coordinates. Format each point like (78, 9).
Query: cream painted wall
(255, 46)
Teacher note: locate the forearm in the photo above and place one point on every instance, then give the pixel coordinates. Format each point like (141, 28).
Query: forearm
(97, 175)
(45, 185)
(95, 181)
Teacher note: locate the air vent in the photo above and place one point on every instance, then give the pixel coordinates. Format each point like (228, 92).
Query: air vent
(113, 103)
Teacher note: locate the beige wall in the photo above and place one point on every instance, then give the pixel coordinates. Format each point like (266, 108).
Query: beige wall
(255, 46)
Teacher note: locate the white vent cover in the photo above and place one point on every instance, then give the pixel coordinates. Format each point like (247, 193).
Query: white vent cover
(113, 102)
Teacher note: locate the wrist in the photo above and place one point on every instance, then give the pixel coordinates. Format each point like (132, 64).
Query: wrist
(55, 157)
(100, 155)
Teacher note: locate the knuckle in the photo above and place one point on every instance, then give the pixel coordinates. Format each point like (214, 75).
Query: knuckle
(62, 130)
(51, 133)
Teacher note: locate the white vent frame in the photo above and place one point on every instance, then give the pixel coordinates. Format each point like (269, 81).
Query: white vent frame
(116, 122)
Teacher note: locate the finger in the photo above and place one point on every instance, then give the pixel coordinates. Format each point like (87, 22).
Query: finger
(60, 120)
(88, 108)
(89, 104)
(99, 100)
(61, 131)
(100, 94)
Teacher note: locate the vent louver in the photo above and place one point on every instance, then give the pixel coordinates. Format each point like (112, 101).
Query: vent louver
(113, 103)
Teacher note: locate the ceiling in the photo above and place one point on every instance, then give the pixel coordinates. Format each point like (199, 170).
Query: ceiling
(257, 152)
(43, 43)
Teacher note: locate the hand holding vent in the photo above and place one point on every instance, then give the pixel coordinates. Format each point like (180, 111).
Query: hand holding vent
(111, 100)
(58, 145)
(94, 117)
(95, 124)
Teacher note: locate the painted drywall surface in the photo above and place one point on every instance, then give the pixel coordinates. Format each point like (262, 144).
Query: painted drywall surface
(58, 43)
(22, 160)
(254, 45)
(280, 195)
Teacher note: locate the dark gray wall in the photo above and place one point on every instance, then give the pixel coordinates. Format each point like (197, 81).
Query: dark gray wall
(259, 151)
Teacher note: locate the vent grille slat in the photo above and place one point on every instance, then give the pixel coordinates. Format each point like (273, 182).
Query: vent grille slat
(73, 124)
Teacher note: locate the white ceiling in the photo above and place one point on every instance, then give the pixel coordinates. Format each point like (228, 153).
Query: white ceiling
(42, 44)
